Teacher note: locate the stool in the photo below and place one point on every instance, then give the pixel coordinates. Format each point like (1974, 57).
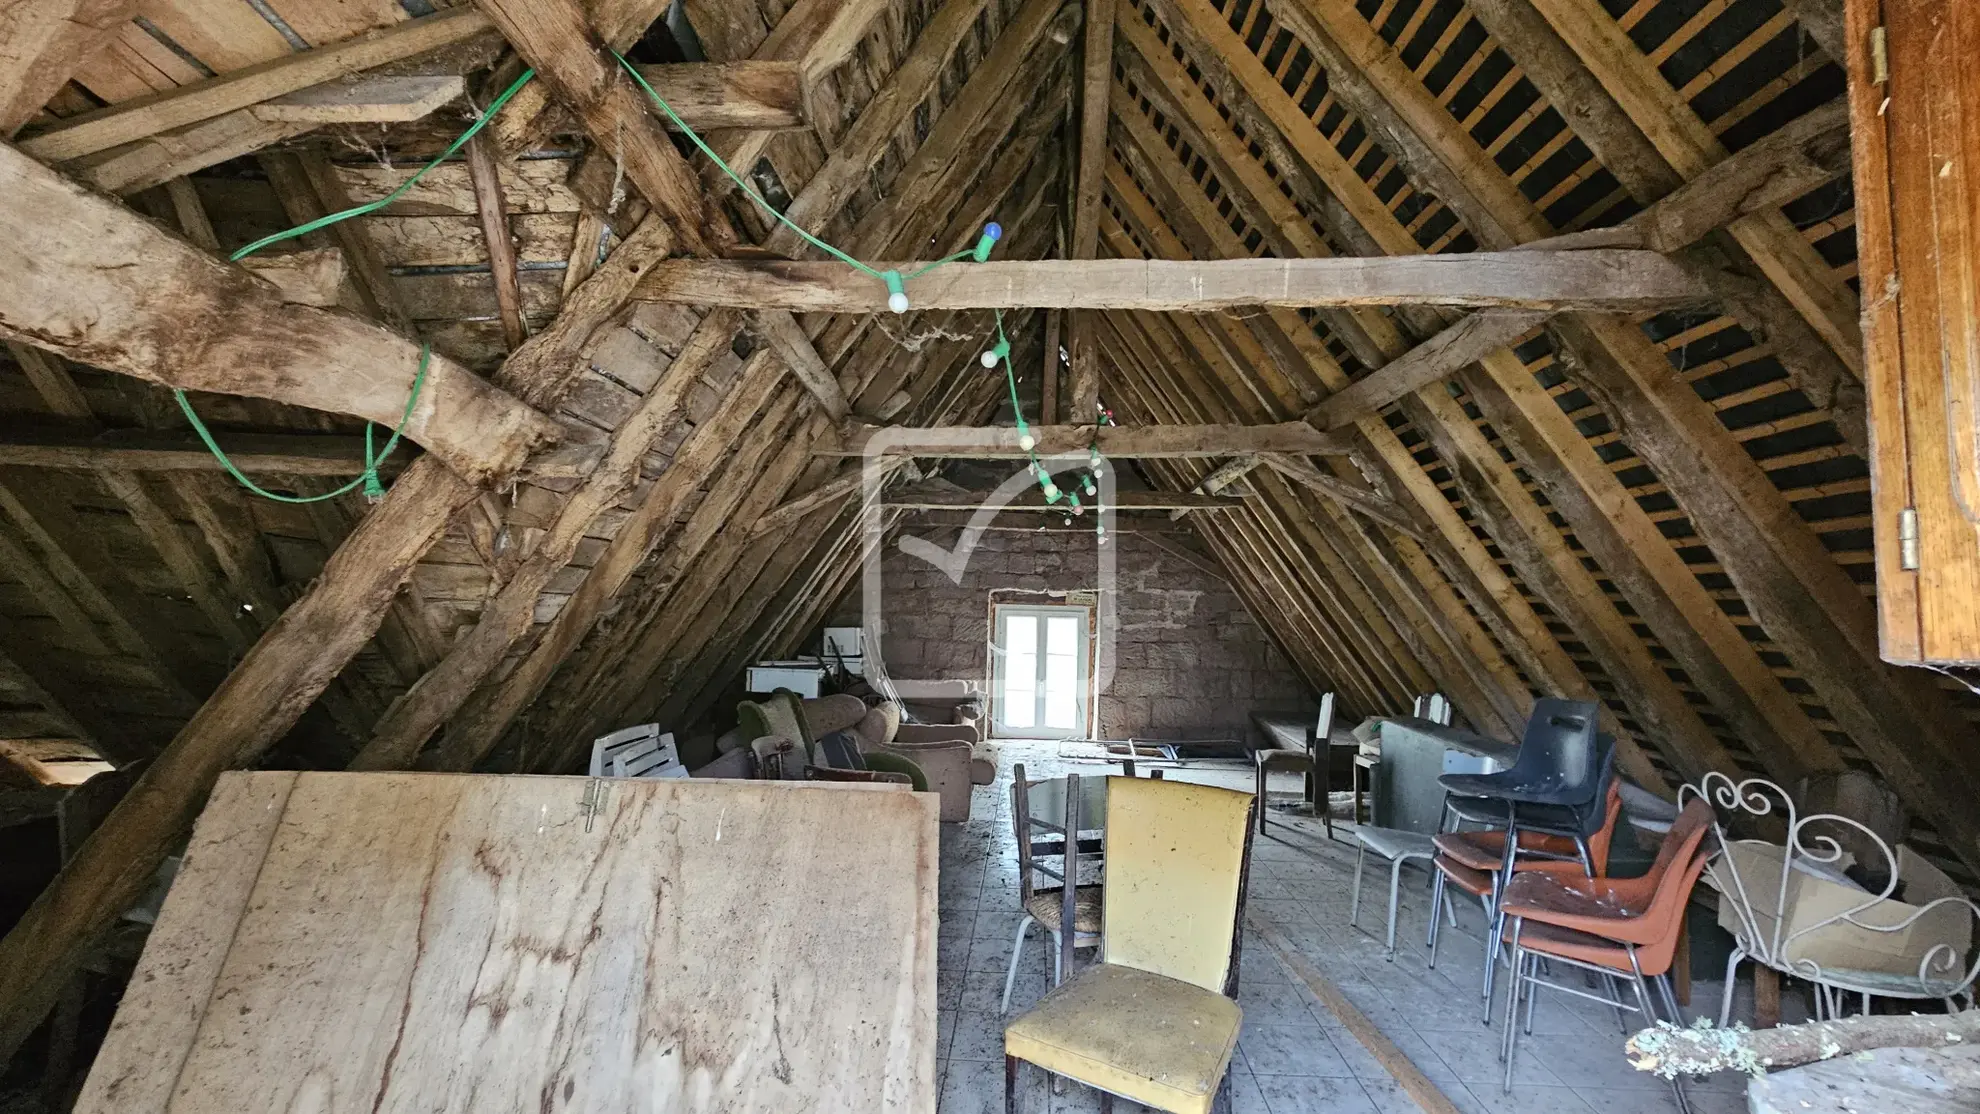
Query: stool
(1398, 847)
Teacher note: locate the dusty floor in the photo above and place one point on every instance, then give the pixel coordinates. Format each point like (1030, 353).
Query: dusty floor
(1293, 1056)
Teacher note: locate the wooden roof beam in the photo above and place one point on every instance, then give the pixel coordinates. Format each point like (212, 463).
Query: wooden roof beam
(1001, 442)
(140, 118)
(1494, 594)
(1691, 148)
(88, 279)
(935, 497)
(1601, 279)
(284, 672)
(1731, 656)
(1803, 599)
(42, 45)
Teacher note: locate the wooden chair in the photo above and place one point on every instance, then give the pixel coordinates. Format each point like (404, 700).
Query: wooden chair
(1042, 814)
(1156, 1019)
(643, 751)
(1312, 761)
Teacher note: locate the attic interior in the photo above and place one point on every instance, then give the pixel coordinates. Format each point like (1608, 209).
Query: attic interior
(1233, 453)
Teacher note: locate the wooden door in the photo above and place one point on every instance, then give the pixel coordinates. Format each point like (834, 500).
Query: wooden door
(1914, 76)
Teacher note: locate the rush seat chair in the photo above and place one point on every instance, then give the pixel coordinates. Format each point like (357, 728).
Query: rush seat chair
(1156, 1019)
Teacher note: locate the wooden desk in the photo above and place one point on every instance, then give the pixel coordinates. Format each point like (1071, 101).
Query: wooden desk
(427, 943)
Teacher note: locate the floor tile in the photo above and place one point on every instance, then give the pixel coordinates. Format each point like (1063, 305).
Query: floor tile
(1304, 1094)
(979, 1036)
(1303, 1049)
(1474, 1058)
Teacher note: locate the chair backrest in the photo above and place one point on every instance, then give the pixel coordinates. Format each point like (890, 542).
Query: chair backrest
(778, 714)
(1176, 855)
(1679, 862)
(1038, 810)
(642, 751)
(1599, 814)
(1323, 727)
(1558, 748)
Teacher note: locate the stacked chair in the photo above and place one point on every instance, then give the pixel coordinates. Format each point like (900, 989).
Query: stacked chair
(1624, 929)
(1555, 805)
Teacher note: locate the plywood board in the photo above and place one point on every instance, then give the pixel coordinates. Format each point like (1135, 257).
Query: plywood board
(399, 943)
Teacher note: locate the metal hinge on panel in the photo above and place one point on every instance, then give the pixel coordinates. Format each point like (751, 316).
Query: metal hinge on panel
(1908, 539)
(1880, 57)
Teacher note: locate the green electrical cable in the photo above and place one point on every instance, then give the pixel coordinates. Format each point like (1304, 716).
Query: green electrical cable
(374, 490)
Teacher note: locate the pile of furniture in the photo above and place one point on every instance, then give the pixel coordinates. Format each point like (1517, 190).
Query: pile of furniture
(786, 737)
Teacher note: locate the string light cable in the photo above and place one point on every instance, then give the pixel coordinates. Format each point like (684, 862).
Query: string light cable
(374, 488)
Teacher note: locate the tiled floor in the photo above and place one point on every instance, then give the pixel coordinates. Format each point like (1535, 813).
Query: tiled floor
(1293, 1055)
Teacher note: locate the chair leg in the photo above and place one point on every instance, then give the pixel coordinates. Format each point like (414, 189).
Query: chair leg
(1437, 896)
(1261, 796)
(1395, 883)
(1222, 1103)
(1058, 961)
(1017, 953)
(1509, 1040)
(1669, 995)
(1010, 1084)
(1354, 903)
(1726, 998)
(1106, 1102)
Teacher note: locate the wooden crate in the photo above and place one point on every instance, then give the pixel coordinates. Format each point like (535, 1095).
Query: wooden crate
(401, 943)
(1914, 83)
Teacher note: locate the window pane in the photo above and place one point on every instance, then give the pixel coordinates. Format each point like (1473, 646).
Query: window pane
(1020, 706)
(1061, 689)
(1061, 634)
(1021, 634)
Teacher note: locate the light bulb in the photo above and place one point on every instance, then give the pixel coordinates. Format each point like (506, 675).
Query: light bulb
(1026, 441)
(1097, 468)
(897, 302)
(1051, 491)
(989, 359)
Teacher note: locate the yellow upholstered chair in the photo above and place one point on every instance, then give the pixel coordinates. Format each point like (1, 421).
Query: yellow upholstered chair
(1155, 1020)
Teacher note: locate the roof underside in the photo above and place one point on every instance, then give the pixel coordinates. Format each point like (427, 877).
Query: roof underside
(1572, 525)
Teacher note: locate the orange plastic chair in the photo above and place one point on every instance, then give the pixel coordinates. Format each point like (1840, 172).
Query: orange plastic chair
(1471, 861)
(1619, 927)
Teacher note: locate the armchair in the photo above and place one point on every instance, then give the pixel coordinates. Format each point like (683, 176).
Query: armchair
(946, 762)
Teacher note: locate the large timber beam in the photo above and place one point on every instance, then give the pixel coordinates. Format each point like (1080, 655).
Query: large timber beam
(142, 450)
(1001, 442)
(1572, 280)
(143, 117)
(1458, 346)
(1794, 589)
(84, 277)
(1691, 147)
(41, 44)
(936, 497)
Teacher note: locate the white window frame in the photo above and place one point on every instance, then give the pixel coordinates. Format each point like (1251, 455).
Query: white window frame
(1082, 660)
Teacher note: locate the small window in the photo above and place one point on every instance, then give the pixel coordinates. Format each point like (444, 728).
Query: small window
(1039, 663)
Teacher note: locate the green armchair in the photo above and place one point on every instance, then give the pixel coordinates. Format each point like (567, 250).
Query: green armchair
(786, 740)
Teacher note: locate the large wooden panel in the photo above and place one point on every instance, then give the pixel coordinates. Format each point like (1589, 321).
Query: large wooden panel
(1915, 102)
(401, 943)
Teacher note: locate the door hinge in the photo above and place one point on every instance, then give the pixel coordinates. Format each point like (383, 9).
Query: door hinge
(1880, 57)
(1908, 539)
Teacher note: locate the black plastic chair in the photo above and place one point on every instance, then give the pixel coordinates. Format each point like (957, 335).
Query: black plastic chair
(1555, 786)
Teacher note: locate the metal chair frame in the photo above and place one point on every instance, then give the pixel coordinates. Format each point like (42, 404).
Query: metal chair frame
(1939, 973)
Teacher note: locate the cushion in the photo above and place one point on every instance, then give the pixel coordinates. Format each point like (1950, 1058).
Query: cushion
(1157, 1040)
